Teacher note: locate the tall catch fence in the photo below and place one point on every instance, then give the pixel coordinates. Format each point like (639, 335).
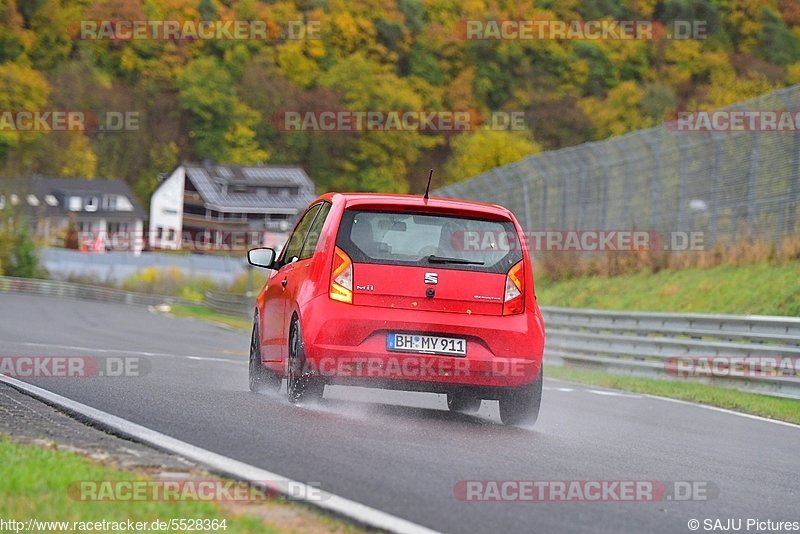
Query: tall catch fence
(724, 184)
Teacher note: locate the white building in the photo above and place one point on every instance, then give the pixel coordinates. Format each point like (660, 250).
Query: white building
(101, 210)
(227, 206)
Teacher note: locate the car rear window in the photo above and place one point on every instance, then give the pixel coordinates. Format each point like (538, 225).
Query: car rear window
(429, 240)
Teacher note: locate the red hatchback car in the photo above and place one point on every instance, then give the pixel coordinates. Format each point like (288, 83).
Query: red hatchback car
(403, 292)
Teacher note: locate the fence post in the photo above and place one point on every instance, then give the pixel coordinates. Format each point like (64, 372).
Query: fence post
(713, 217)
(536, 162)
(655, 180)
(755, 161)
(682, 179)
(794, 176)
(524, 179)
(626, 208)
(603, 186)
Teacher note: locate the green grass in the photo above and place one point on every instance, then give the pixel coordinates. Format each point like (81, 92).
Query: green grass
(36, 481)
(35, 484)
(752, 289)
(207, 314)
(752, 403)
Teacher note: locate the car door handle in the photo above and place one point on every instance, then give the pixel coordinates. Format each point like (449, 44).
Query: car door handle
(283, 283)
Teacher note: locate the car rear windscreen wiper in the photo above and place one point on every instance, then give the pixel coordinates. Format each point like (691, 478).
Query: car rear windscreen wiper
(441, 259)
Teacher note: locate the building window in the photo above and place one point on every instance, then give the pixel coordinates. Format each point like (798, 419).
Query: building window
(171, 234)
(123, 204)
(113, 228)
(51, 200)
(32, 200)
(190, 209)
(75, 203)
(110, 202)
(92, 204)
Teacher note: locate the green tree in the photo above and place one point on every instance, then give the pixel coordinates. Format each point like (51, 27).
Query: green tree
(21, 89)
(381, 160)
(778, 44)
(223, 128)
(17, 250)
(485, 149)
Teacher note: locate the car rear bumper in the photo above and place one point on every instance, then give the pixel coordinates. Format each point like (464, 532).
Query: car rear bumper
(347, 343)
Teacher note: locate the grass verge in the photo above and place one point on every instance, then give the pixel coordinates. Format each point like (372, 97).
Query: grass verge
(762, 289)
(751, 403)
(207, 314)
(36, 480)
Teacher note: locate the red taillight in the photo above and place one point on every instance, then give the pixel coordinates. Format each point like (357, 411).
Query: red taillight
(514, 300)
(341, 277)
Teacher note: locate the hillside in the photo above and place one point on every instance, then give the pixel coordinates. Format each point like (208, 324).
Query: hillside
(219, 99)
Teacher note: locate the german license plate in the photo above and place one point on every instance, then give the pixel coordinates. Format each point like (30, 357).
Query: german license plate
(426, 344)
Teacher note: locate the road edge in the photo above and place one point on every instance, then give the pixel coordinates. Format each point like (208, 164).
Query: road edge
(328, 502)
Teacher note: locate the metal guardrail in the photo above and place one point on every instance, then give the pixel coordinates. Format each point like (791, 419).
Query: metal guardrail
(57, 288)
(715, 349)
(230, 304)
(634, 343)
(650, 344)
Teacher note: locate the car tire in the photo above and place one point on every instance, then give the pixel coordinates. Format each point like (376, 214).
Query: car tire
(262, 380)
(301, 384)
(520, 406)
(459, 402)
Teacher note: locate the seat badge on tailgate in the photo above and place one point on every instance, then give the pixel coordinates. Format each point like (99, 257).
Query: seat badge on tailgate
(431, 278)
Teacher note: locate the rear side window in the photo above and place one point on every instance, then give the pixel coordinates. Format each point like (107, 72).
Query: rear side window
(427, 240)
(315, 231)
(295, 244)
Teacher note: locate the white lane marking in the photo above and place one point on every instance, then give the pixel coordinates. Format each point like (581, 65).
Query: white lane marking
(566, 390)
(613, 394)
(102, 351)
(706, 407)
(724, 410)
(228, 466)
(121, 351)
(213, 359)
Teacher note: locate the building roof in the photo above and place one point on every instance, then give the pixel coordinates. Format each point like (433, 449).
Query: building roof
(214, 182)
(41, 187)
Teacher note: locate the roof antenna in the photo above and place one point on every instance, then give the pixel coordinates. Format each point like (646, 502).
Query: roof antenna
(428, 187)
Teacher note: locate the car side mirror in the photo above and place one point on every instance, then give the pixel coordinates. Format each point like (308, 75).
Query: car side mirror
(261, 257)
